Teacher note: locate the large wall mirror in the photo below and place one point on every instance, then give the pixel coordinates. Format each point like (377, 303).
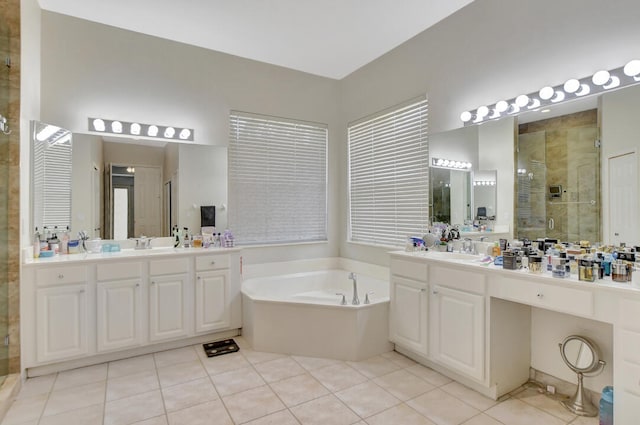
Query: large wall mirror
(450, 195)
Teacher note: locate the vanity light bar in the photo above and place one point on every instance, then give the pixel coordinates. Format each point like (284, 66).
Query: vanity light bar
(450, 163)
(571, 89)
(484, 183)
(135, 129)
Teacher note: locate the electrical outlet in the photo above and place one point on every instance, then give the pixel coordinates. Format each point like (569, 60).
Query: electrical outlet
(551, 389)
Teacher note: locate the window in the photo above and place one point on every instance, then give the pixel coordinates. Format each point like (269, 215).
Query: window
(277, 180)
(389, 175)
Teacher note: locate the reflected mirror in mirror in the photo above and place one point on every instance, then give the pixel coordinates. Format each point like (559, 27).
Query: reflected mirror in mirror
(450, 195)
(485, 195)
(51, 182)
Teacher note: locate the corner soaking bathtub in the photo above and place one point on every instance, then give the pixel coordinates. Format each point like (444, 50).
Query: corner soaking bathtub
(301, 314)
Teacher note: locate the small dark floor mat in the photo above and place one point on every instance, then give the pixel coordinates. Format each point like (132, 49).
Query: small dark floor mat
(219, 348)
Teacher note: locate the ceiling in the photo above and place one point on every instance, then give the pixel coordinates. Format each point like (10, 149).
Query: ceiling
(330, 38)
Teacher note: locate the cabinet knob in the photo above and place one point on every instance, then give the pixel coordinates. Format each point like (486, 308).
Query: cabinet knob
(199, 277)
(435, 292)
(60, 276)
(137, 285)
(82, 291)
(153, 282)
(213, 263)
(539, 295)
(422, 290)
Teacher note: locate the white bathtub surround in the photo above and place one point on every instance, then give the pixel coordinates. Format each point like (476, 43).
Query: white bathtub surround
(299, 313)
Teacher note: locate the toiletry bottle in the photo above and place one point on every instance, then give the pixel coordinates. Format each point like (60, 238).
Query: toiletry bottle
(496, 250)
(36, 244)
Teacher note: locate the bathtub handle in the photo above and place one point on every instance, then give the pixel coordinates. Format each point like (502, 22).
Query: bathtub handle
(366, 297)
(344, 299)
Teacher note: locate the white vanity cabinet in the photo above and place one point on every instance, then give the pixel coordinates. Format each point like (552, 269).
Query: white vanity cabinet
(409, 305)
(119, 306)
(212, 295)
(61, 301)
(84, 309)
(627, 362)
(168, 299)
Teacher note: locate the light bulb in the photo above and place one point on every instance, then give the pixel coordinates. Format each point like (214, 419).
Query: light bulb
(601, 78)
(559, 97)
(513, 109)
(135, 129)
(98, 125)
(440, 161)
(572, 85)
(152, 131)
(502, 106)
(116, 127)
(613, 83)
(466, 116)
(584, 90)
(546, 93)
(522, 100)
(632, 68)
(185, 133)
(169, 132)
(482, 111)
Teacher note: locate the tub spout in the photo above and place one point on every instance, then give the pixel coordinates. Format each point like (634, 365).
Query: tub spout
(355, 300)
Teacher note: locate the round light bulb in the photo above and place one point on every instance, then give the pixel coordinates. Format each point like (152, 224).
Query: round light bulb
(584, 90)
(522, 100)
(632, 68)
(558, 97)
(546, 93)
(466, 116)
(98, 125)
(502, 106)
(116, 127)
(601, 78)
(572, 85)
(482, 111)
(135, 128)
(613, 83)
(440, 161)
(185, 133)
(152, 131)
(169, 132)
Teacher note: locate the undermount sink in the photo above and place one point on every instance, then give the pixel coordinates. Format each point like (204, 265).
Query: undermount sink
(451, 255)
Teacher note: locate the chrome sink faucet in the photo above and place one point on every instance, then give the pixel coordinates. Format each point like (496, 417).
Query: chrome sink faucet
(355, 300)
(467, 246)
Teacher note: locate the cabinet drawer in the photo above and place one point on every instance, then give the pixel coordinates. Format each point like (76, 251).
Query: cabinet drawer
(558, 298)
(458, 279)
(629, 314)
(168, 266)
(61, 275)
(630, 379)
(116, 271)
(212, 262)
(629, 346)
(409, 269)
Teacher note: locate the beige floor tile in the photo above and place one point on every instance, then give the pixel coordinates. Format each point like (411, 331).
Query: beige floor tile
(541, 401)
(252, 404)
(221, 364)
(127, 367)
(236, 381)
(172, 357)
(91, 415)
(133, 384)
(367, 399)
(158, 420)
(279, 369)
(211, 412)
(403, 384)
(443, 408)
(255, 357)
(374, 367)
(181, 372)
(400, 414)
(482, 419)
(36, 386)
(327, 410)
(134, 409)
(189, 394)
(25, 409)
(298, 389)
(283, 417)
(517, 412)
(75, 398)
(313, 363)
(469, 396)
(242, 343)
(581, 420)
(399, 359)
(81, 376)
(338, 377)
(429, 375)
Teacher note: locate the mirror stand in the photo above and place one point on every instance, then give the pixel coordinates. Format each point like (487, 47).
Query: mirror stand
(580, 355)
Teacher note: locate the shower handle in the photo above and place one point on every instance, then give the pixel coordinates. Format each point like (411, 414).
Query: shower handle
(552, 224)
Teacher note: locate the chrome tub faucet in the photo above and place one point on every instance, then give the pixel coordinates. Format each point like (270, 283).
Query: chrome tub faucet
(355, 300)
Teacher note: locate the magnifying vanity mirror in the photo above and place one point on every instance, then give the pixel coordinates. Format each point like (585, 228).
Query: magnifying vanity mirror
(582, 356)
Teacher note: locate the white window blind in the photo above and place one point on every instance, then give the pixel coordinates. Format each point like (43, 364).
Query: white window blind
(277, 180)
(389, 175)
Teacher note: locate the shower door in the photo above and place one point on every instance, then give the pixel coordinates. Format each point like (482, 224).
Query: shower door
(4, 203)
(531, 206)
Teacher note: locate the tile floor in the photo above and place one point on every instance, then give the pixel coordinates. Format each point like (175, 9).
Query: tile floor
(183, 386)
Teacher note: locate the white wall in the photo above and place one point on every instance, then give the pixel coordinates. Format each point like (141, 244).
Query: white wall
(86, 151)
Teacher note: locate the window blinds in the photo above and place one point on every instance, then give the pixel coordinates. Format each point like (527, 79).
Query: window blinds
(52, 185)
(389, 176)
(277, 180)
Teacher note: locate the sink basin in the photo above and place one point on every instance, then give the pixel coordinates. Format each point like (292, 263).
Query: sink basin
(451, 255)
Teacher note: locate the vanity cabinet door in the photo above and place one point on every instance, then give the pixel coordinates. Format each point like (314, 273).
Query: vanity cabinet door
(408, 314)
(212, 301)
(457, 330)
(61, 322)
(168, 307)
(119, 314)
